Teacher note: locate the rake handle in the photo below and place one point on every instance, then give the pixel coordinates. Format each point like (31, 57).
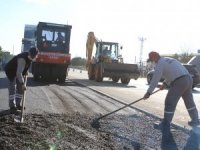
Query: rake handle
(23, 100)
(127, 105)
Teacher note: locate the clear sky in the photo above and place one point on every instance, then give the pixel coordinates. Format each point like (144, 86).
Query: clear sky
(169, 26)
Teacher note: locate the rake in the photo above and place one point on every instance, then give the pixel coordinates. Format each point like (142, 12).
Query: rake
(95, 123)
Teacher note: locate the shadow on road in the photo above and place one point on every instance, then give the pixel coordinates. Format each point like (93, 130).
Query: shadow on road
(168, 142)
(193, 142)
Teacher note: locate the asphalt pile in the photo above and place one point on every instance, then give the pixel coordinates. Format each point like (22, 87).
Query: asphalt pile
(74, 131)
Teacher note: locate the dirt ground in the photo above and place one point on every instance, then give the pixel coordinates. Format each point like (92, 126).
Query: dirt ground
(74, 131)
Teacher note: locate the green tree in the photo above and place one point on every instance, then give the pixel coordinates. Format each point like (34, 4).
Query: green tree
(183, 57)
(78, 61)
(5, 56)
(1, 52)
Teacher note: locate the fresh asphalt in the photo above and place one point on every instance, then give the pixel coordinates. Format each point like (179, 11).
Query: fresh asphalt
(135, 90)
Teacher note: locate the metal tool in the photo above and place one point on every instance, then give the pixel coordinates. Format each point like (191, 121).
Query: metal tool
(95, 123)
(23, 101)
(21, 119)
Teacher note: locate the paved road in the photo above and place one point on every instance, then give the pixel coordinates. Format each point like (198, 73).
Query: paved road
(135, 90)
(56, 98)
(68, 97)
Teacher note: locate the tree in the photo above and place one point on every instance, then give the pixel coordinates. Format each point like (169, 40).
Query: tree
(1, 52)
(183, 57)
(78, 61)
(5, 56)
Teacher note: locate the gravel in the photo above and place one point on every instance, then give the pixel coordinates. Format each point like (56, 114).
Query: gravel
(74, 131)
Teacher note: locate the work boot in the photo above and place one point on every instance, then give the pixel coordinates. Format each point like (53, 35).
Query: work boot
(158, 125)
(194, 123)
(161, 125)
(19, 107)
(13, 110)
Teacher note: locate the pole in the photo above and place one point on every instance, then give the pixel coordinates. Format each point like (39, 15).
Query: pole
(142, 39)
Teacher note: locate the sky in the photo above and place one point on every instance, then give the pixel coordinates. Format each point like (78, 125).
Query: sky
(168, 26)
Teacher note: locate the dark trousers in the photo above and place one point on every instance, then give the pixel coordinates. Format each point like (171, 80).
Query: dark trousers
(15, 93)
(180, 88)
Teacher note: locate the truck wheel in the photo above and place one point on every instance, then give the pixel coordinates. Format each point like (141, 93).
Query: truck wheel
(115, 79)
(125, 80)
(62, 79)
(35, 77)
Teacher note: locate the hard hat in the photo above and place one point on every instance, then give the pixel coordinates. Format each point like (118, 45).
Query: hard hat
(152, 54)
(33, 52)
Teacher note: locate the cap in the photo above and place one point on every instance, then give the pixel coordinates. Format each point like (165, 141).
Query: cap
(152, 54)
(33, 52)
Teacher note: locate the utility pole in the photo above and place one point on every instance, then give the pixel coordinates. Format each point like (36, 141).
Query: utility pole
(13, 49)
(142, 39)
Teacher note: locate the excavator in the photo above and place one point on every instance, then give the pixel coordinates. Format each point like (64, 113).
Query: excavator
(106, 61)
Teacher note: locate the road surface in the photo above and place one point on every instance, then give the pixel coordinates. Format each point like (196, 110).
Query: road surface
(135, 90)
(59, 115)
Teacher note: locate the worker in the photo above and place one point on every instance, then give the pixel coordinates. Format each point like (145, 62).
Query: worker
(15, 70)
(60, 37)
(106, 52)
(180, 85)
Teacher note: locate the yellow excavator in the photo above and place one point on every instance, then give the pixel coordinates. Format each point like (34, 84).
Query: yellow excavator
(106, 61)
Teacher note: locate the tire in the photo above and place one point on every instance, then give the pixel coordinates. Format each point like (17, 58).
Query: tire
(62, 79)
(63, 75)
(35, 77)
(125, 80)
(115, 79)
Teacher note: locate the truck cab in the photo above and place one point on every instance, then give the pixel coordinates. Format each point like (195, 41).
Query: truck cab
(53, 37)
(108, 51)
(53, 42)
(29, 39)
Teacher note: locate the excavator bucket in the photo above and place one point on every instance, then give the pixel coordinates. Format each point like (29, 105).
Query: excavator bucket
(120, 70)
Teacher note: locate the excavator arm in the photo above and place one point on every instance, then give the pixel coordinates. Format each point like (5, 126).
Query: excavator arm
(91, 40)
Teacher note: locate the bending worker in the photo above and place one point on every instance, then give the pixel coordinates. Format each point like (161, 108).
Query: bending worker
(180, 83)
(15, 69)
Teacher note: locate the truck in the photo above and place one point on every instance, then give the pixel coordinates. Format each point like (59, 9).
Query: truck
(29, 39)
(53, 42)
(107, 61)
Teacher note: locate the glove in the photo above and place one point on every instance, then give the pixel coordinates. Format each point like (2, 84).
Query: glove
(147, 95)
